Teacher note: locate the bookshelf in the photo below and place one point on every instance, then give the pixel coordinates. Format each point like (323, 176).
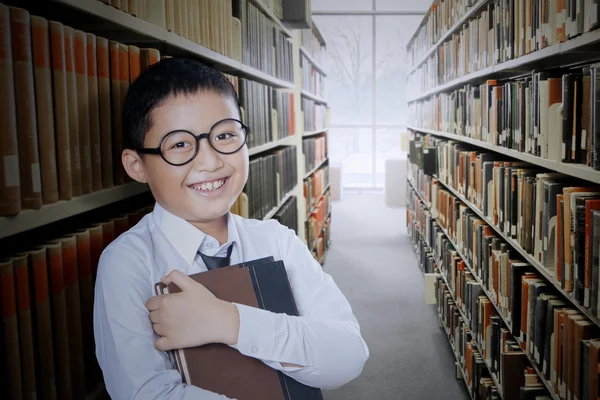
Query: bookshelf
(152, 32)
(314, 97)
(448, 62)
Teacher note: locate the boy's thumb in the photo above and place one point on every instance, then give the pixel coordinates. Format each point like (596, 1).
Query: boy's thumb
(180, 279)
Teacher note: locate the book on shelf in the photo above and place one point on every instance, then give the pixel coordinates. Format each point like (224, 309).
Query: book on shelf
(315, 115)
(315, 151)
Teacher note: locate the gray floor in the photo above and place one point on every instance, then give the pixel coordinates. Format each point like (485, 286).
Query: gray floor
(373, 262)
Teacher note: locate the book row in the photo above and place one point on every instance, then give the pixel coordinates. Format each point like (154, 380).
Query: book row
(529, 306)
(270, 178)
(510, 365)
(137, 8)
(312, 80)
(550, 114)
(315, 115)
(313, 46)
(288, 214)
(443, 15)
(315, 186)
(62, 91)
(315, 151)
(258, 102)
(47, 301)
(318, 227)
(226, 27)
(504, 30)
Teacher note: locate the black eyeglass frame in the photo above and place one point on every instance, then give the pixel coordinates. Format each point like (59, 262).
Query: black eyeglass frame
(157, 150)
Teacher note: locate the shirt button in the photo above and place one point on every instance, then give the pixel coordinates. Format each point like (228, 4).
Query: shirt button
(255, 349)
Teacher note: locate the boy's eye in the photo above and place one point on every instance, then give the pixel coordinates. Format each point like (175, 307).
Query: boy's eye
(181, 144)
(225, 135)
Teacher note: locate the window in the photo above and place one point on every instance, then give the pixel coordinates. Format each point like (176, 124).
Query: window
(366, 80)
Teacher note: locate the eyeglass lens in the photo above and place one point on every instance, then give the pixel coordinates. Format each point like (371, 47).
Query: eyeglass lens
(226, 137)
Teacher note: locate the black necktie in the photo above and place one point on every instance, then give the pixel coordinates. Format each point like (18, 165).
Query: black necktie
(213, 262)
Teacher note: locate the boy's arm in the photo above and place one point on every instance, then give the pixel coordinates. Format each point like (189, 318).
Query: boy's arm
(133, 368)
(325, 340)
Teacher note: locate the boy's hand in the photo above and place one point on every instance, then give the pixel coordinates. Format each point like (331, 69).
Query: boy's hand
(193, 317)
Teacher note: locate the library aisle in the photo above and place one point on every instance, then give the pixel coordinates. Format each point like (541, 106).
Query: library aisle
(373, 262)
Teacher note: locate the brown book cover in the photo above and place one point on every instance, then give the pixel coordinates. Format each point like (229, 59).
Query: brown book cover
(121, 225)
(117, 105)
(44, 348)
(120, 174)
(76, 167)
(134, 63)
(169, 10)
(96, 248)
(73, 307)
(569, 351)
(26, 336)
(593, 368)
(105, 111)
(512, 378)
(59, 320)
(29, 164)
(10, 330)
(86, 292)
(136, 217)
(177, 17)
(61, 109)
(199, 364)
(190, 16)
(133, 7)
(94, 111)
(45, 108)
(148, 57)
(581, 331)
(10, 186)
(83, 115)
(108, 233)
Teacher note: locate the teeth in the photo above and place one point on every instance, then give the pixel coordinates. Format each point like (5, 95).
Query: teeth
(209, 186)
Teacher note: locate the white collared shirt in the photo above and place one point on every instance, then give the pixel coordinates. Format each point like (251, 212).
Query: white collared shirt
(325, 340)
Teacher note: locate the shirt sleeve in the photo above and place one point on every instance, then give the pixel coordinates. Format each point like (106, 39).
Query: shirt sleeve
(133, 368)
(325, 340)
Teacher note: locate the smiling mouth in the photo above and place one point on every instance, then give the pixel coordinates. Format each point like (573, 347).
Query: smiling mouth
(208, 186)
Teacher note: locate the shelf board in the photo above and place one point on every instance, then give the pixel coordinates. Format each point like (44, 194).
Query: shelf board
(314, 133)
(314, 63)
(314, 97)
(574, 170)
(312, 171)
(31, 219)
(472, 10)
(487, 293)
(579, 49)
(528, 257)
(269, 13)
(286, 141)
(271, 213)
(97, 17)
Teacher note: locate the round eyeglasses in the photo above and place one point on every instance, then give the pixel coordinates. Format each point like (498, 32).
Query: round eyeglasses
(180, 147)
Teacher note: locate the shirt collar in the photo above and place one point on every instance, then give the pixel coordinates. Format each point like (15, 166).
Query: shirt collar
(184, 236)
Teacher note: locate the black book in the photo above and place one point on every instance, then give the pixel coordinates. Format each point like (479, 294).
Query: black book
(551, 190)
(539, 341)
(551, 305)
(533, 392)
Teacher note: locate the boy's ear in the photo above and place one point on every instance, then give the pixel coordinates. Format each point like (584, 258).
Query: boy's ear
(134, 166)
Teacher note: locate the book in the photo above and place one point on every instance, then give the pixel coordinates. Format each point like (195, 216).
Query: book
(105, 110)
(29, 163)
(73, 115)
(83, 115)
(10, 186)
(258, 283)
(94, 111)
(10, 327)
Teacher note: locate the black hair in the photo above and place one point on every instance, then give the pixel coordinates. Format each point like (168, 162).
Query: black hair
(169, 77)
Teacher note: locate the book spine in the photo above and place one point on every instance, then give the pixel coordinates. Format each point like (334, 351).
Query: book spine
(96, 247)
(31, 180)
(83, 115)
(10, 186)
(117, 106)
(26, 335)
(59, 320)
(61, 109)
(45, 108)
(44, 348)
(105, 111)
(94, 111)
(76, 167)
(73, 314)
(120, 175)
(10, 326)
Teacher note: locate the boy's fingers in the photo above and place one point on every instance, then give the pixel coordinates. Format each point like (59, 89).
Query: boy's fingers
(154, 303)
(180, 279)
(163, 344)
(154, 318)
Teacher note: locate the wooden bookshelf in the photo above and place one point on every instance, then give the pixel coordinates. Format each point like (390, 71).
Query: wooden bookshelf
(30, 219)
(314, 133)
(314, 97)
(285, 198)
(315, 169)
(286, 141)
(269, 13)
(311, 60)
(483, 287)
(579, 171)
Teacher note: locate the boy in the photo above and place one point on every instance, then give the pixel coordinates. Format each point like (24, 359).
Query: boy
(195, 182)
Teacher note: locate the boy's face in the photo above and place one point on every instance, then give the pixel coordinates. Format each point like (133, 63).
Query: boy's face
(179, 188)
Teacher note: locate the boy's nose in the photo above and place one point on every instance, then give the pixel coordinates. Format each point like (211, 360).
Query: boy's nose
(207, 158)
